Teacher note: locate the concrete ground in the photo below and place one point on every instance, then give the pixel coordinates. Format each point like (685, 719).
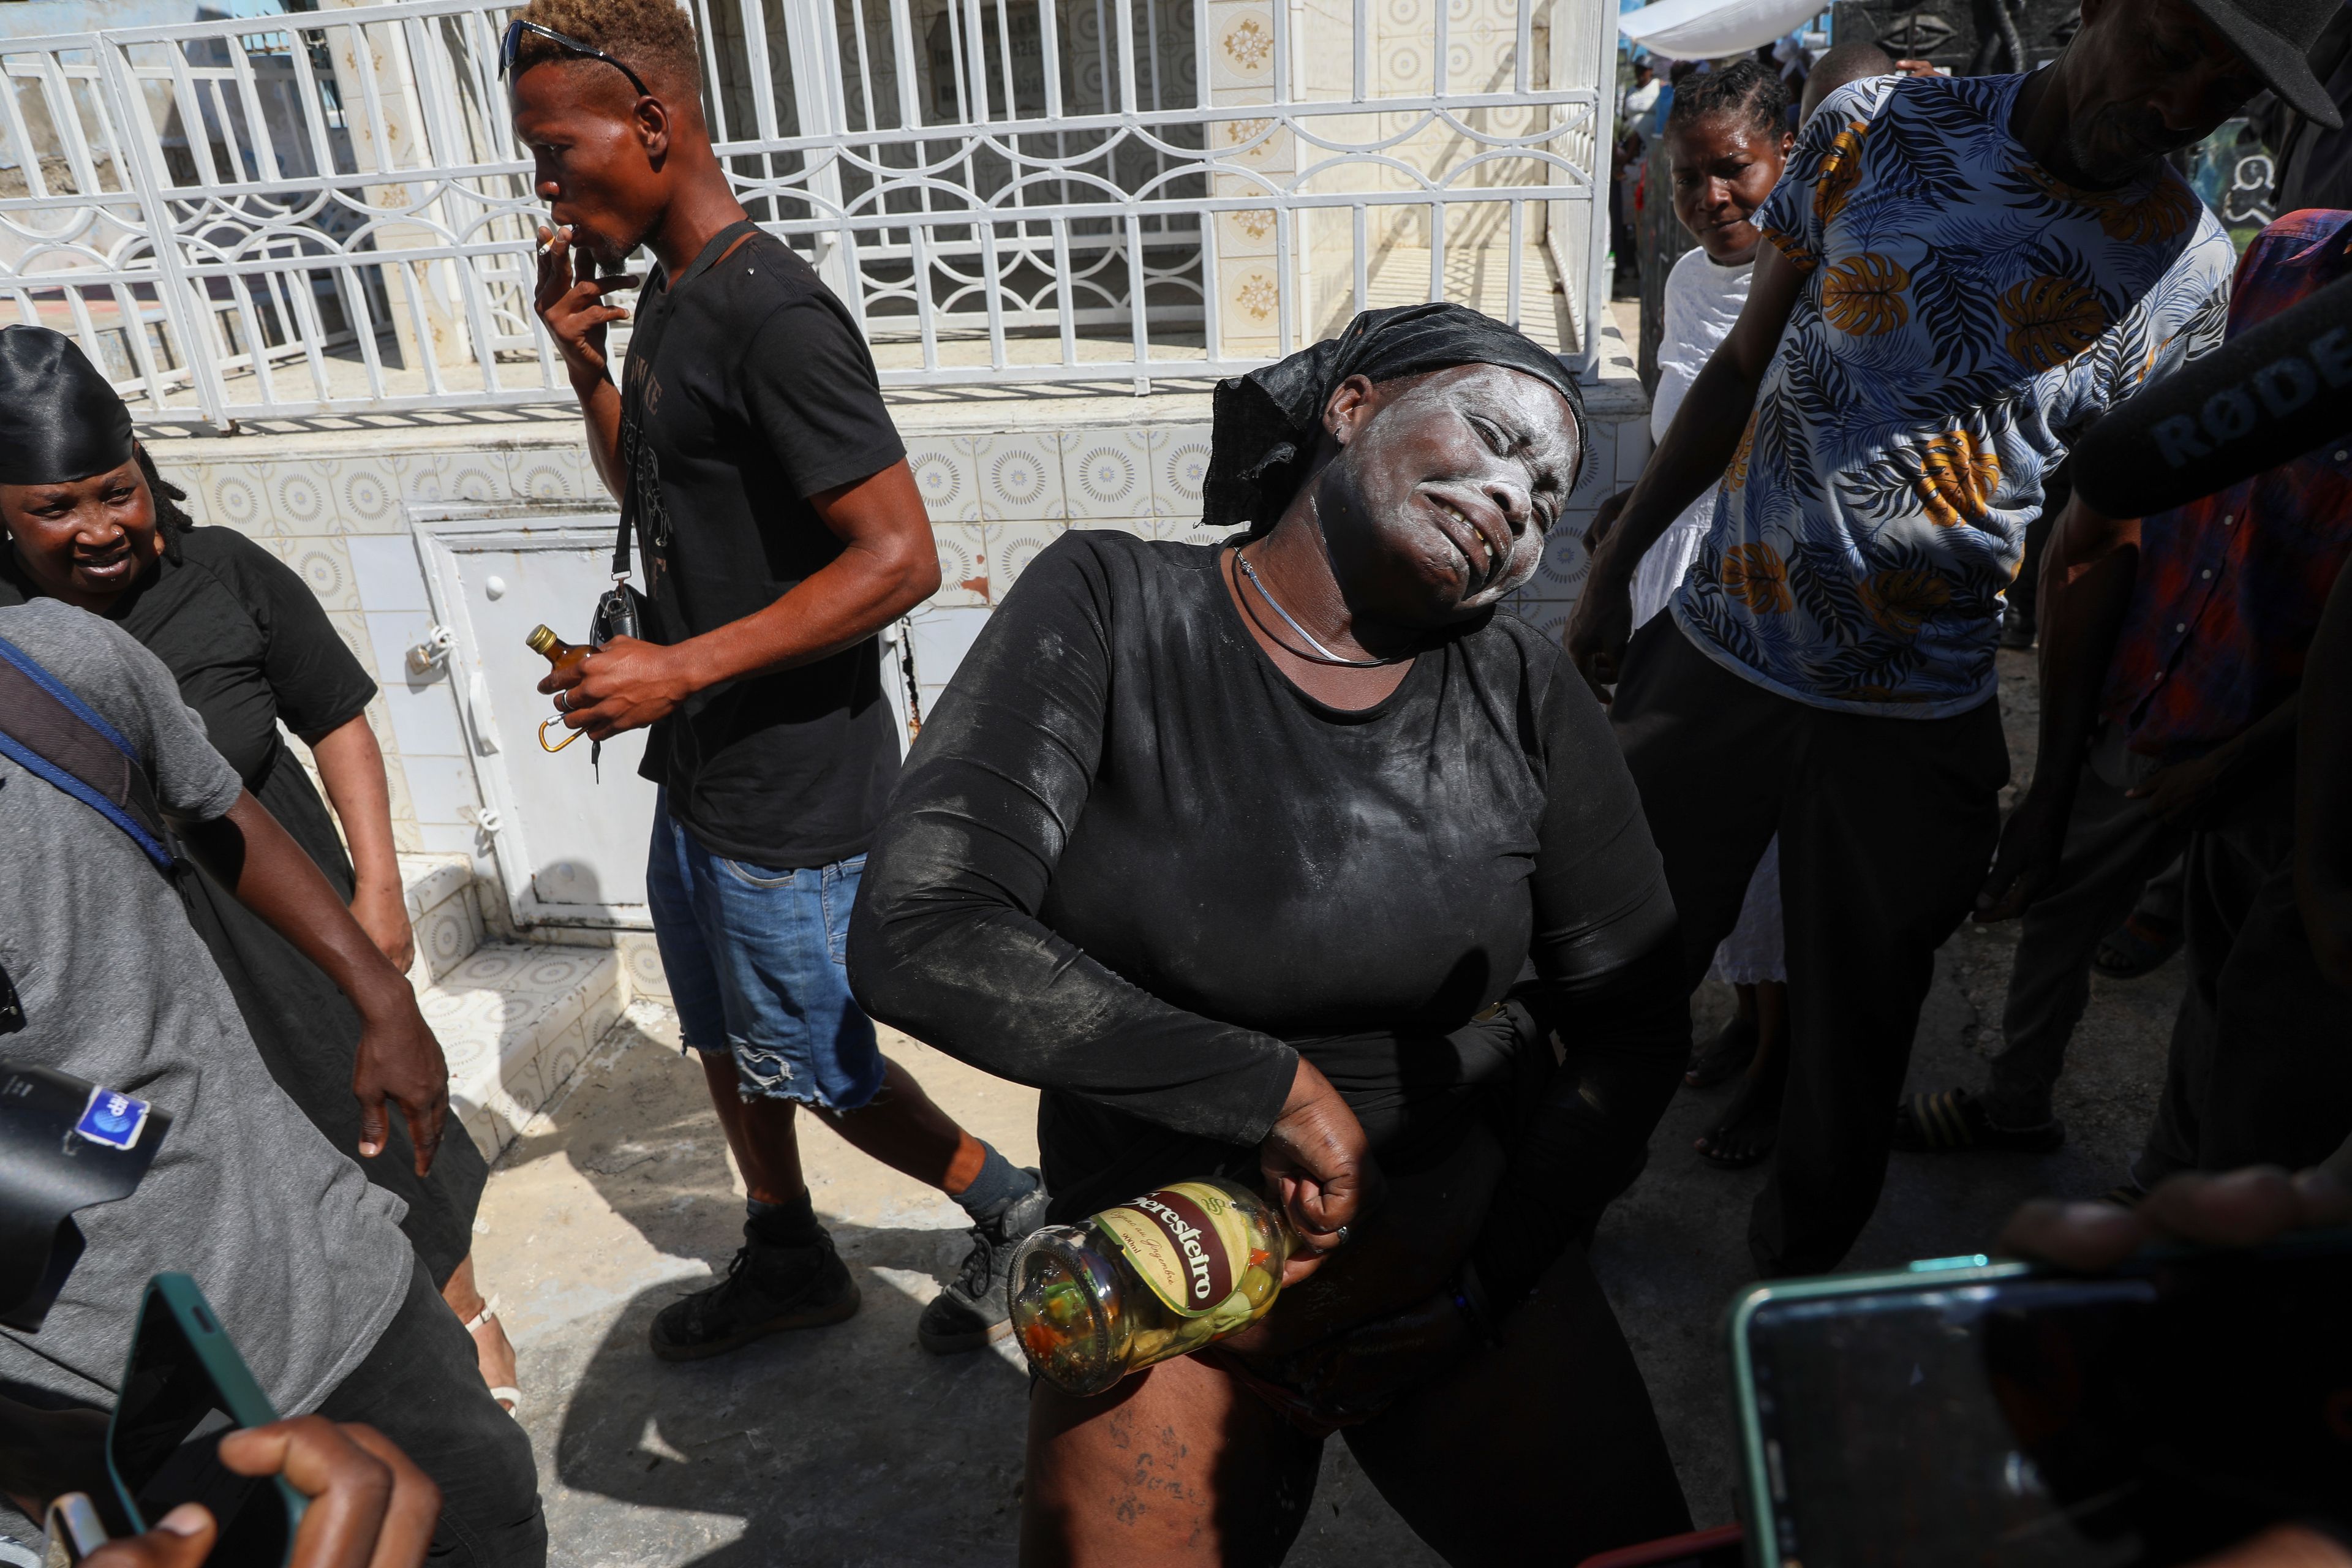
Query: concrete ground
(850, 1446)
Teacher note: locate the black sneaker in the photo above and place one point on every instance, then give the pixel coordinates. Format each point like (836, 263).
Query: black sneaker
(768, 1289)
(971, 1312)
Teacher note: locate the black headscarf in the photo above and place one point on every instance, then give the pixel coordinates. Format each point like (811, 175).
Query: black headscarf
(59, 417)
(1266, 424)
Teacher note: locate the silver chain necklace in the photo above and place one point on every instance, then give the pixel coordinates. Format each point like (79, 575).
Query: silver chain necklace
(1321, 655)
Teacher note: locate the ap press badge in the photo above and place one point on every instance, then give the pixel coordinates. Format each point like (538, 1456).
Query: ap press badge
(66, 1144)
(113, 1119)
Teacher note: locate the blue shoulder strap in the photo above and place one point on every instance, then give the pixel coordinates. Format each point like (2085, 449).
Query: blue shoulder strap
(47, 730)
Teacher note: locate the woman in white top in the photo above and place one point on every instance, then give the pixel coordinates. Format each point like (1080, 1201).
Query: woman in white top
(1726, 138)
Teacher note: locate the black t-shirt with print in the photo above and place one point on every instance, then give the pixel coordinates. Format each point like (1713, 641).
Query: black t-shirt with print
(747, 391)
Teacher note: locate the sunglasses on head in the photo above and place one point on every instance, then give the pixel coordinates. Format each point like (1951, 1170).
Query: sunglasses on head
(510, 47)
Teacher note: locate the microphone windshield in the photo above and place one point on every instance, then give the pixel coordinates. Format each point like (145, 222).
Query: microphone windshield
(2265, 397)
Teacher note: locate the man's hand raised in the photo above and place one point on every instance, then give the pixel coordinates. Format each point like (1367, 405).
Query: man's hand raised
(575, 308)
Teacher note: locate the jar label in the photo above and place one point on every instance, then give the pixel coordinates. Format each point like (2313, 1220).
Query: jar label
(1187, 1241)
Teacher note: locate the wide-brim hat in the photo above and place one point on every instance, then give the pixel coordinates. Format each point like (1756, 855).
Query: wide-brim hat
(2275, 38)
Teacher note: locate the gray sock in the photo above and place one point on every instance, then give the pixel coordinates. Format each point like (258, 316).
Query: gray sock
(1000, 1185)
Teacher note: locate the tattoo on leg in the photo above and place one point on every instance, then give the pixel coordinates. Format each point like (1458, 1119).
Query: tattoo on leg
(1154, 1471)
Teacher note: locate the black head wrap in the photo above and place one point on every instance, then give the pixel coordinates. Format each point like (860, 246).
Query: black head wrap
(59, 419)
(1266, 424)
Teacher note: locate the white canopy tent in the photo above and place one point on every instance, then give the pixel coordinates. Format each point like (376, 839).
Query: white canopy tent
(1705, 29)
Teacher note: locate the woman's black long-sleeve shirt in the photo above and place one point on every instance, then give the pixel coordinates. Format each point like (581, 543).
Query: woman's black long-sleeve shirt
(1131, 864)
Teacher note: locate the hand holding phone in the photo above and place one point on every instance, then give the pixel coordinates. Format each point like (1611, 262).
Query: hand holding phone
(2141, 1402)
(369, 1506)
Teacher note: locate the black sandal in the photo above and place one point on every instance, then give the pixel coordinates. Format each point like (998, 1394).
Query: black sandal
(1726, 1055)
(1954, 1120)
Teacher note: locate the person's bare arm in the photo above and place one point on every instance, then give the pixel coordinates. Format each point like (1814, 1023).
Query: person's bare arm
(887, 565)
(1697, 447)
(2323, 790)
(2086, 580)
(350, 764)
(249, 854)
(576, 311)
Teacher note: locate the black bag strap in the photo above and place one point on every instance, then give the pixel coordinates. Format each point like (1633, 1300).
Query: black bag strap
(48, 730)
(643, 341)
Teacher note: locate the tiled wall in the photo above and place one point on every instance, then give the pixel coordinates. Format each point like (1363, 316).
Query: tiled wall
(332, 509)
(996, 501)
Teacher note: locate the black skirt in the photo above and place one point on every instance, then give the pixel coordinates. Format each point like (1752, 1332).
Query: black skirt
(308, 1035)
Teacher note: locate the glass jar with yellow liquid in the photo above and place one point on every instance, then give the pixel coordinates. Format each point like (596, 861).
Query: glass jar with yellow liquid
(1155, 1277)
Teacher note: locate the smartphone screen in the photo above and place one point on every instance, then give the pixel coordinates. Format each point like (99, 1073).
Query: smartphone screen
(2144, 1419)
(168, 1424)
(1884, 1442)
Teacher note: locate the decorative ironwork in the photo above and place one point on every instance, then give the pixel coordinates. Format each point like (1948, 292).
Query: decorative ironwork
(326, 211)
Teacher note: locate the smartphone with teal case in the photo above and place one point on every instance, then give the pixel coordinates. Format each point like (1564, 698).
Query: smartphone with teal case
(185, 1389)
(1962, 1412)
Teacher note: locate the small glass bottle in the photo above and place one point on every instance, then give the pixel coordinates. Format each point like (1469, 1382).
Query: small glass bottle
(554, 650)
(562, 655)
(1155, 1277)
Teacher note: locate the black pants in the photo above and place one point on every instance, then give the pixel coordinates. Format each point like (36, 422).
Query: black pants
(422, 1387)
(1886, 829)
(2113, 846)
(2260, 1068)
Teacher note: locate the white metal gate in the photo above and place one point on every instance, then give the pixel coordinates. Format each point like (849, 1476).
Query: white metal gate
(325, 212)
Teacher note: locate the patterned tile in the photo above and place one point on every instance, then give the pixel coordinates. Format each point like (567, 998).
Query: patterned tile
(943, 473)
(351, 626)
(367, 496)
(513, 1020)
(447, 935)
(427, 881)
(1254, 143)
(1249, 300)
(189, 477)
(440, 479)
(1107, 473)
(1180, 463)
(1249, 232)
(642, 959)
(481, 1126)
(325, 567)
(1010, 547)
(1561, 574)
(603, 1009)
(562, 1056)
(546, 473)
(302, 496)
(236, 495)
(964, 564)
(1240, 47)
(1019, 478)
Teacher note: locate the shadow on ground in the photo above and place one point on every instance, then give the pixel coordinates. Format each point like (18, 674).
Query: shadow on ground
(846, 1445)
(849, 1445)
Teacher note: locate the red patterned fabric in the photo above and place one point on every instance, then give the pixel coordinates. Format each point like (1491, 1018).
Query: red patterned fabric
(2229, 589)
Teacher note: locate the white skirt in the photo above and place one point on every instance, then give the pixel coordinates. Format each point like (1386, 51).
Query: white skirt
(1754, 952)
(1663, 565)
